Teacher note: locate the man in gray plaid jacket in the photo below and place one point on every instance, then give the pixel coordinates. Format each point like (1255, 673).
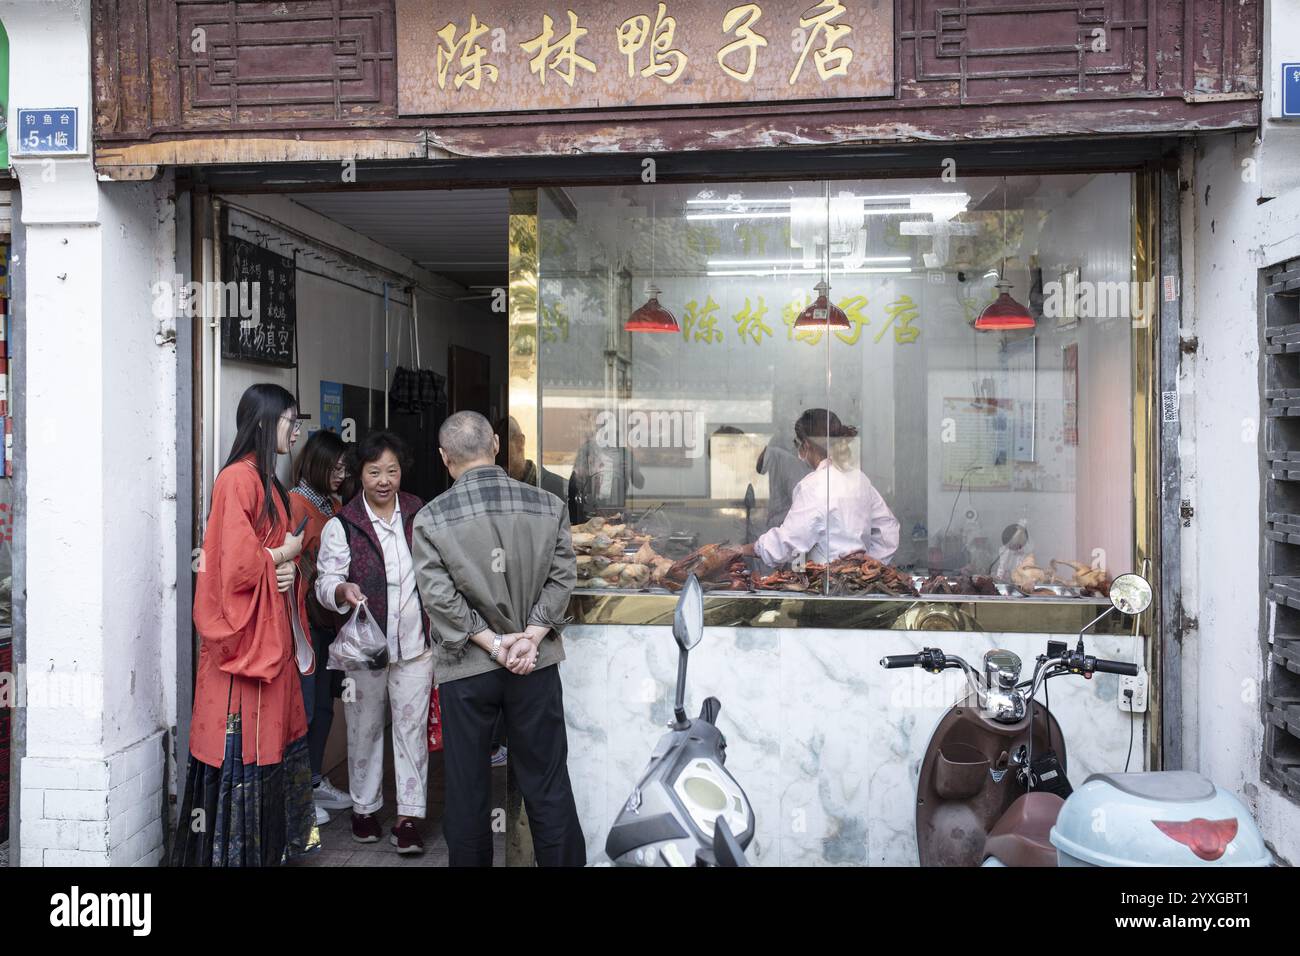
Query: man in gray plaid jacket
(494, 565)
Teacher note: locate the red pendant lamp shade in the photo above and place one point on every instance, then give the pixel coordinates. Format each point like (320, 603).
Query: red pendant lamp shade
(1004, 314)
(652, 317)
(822, 314)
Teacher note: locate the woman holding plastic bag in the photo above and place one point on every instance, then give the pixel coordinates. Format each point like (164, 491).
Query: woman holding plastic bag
(365, 568)
(247, 794)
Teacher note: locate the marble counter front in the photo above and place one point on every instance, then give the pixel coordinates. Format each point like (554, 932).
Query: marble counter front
(826, 743)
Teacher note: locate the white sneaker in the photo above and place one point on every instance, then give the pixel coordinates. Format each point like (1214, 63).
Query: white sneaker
(499, 757)
(322, 816)
(326, 795)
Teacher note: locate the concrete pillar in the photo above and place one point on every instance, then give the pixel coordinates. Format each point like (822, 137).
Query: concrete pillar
(101, 418)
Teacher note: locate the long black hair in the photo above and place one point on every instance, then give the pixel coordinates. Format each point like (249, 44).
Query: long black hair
(257, 422)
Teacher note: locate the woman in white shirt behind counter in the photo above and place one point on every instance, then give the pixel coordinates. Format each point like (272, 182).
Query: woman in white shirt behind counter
(835, 507)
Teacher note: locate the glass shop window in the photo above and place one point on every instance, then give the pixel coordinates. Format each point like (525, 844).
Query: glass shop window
(874, 388)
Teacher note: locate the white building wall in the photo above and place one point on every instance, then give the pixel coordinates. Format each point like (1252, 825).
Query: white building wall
(1241, 213)
(100, 408)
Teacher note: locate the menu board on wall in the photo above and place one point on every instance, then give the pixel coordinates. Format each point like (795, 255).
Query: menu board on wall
(259, 304)
(975, 444)
(1070, 392)
(1020, 359)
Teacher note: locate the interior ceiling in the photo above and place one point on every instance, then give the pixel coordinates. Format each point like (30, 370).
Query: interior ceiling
(457, 233)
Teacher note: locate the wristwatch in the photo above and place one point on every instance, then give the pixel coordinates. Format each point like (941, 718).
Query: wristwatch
(496, 648)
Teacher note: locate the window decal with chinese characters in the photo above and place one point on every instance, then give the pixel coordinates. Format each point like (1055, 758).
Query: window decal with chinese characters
(539, 55)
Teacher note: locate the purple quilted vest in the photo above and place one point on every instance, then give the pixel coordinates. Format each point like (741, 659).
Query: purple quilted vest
(366, 563)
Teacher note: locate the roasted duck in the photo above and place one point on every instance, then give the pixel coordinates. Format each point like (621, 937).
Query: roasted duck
(716, 565)
(854, 573)
(601, 545)
(1029, 575)
(959, 584)
(1082, 575)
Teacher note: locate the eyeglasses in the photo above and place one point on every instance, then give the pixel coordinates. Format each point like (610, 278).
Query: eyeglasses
(340, 469)
(295, 426)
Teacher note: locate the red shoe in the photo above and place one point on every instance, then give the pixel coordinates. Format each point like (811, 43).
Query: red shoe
(365, 828)
(406, 838)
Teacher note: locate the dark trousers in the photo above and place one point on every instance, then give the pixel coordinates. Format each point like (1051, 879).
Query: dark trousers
(318, 701)
(533, 707)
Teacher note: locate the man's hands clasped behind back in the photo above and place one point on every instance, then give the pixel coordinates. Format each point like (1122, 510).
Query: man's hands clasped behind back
(521, 651)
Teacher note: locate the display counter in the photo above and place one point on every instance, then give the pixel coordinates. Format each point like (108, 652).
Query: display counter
(855, 410)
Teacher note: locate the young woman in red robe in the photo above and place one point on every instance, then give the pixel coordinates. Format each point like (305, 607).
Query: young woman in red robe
(247, 799)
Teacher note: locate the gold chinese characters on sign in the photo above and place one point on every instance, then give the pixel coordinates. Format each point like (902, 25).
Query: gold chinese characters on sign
(538, 55)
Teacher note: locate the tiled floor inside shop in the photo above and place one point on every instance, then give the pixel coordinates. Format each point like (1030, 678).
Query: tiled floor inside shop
(339, 849)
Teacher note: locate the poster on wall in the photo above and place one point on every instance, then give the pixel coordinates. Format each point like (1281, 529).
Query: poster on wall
(331, 406)
(259, 307)
(1022, 384)
(1070, 392)
(976, 444)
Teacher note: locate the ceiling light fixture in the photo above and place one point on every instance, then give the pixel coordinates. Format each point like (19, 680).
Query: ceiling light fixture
(1004, 314)
(823, 313)
(652, 317)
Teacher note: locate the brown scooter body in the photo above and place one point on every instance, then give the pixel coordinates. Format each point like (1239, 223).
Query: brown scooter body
(964, 812)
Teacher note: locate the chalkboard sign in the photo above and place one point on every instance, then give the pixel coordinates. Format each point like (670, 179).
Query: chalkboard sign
(259, 304)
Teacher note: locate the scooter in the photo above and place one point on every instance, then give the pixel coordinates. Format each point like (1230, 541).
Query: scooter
(993, 789)
(686, 809)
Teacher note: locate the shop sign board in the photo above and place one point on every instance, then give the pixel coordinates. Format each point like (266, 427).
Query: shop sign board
(259, 319)
(47, 130)
(530, 55)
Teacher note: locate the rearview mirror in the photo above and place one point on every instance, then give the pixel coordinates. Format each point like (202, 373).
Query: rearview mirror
(1130, 593)
(688, 619)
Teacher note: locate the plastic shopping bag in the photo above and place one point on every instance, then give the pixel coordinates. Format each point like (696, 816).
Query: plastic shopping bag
(360, 644)
(435, 722)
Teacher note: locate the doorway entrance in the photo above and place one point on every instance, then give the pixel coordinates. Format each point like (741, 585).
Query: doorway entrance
(381, 318)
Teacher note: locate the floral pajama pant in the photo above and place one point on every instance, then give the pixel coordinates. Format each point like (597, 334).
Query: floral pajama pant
(406, 686)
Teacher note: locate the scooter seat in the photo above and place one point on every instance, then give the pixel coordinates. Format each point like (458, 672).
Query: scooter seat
(1165, 786)
(1022, 836)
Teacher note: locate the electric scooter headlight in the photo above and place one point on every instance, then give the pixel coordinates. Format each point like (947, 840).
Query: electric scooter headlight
(707, 791)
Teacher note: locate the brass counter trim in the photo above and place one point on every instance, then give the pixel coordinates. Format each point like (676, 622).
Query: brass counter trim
(933, 613)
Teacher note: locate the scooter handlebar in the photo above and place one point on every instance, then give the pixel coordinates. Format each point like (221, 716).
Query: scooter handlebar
(900, 660)
(1115, 667)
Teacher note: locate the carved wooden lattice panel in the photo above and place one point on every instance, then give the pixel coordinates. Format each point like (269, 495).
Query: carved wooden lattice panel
(996, 50)
(327, 60)
(232, 64)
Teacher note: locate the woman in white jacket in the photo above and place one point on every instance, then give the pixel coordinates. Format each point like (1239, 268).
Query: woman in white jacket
(835, 509)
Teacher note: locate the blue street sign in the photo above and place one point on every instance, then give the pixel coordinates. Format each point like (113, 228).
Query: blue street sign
(48, 130)
(1291, 89)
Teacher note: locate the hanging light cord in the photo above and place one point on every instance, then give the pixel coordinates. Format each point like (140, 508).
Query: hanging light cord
(654, 222)
(1002, 275)
(828, 249)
